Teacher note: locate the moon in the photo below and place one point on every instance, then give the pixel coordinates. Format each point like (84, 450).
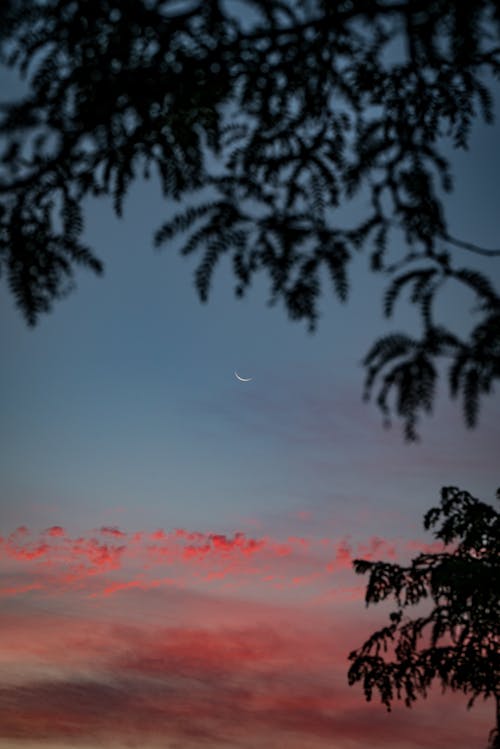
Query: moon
(242, 379)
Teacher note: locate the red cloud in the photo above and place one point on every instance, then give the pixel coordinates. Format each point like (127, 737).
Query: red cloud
(248, 686)
(29, 552)
(191, 557)
(271, 677)
(15, 590)
(55, 530)
(112, 531)
(139, 584)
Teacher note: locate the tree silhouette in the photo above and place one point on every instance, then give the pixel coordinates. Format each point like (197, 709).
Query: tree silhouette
(457, 641)
(306, 104)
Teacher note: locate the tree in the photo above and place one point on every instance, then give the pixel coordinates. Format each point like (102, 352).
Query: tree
(457, 641)
(306, 104)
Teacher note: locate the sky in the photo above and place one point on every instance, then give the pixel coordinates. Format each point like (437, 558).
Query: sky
(176, 546)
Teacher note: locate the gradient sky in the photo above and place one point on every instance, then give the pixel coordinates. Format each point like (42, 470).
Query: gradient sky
(175, 562)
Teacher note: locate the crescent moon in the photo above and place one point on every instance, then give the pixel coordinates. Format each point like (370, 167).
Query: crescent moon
(242, 379)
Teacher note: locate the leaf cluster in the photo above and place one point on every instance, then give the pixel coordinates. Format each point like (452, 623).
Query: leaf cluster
(303, 107)
(404, 368)
(456, 642)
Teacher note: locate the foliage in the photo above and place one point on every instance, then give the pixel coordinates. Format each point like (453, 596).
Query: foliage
(457, 641)
(306, 105)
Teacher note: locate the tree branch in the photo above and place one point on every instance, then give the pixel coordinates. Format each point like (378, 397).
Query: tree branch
(471, 247)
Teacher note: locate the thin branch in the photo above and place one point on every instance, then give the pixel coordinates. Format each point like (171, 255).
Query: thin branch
(471, 247)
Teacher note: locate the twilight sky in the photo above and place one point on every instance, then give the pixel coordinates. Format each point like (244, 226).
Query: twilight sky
(176, 546)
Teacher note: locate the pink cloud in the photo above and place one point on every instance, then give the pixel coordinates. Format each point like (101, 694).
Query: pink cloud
(55, 530)
(55, 560)
(303, 515)
(15, 590)
(109, 530)
(139, 584)
(188, 638)
(249, 685)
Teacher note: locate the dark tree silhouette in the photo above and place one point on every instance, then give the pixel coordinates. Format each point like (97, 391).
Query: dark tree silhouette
(457, 640)
(306, 104)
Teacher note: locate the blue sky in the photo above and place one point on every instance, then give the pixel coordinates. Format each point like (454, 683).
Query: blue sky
(125, 393)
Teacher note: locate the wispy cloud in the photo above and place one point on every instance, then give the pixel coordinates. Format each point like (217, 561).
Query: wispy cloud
(241, 687)
(191, 638)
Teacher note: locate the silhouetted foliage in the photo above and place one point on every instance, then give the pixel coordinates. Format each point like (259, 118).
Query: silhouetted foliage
(306, 104)
(456, 641)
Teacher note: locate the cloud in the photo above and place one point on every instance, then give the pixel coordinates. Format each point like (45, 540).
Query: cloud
(185, 669)
(15, 590)
(242, 693)
(108, 561)
(108, 530)
(55, 530)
